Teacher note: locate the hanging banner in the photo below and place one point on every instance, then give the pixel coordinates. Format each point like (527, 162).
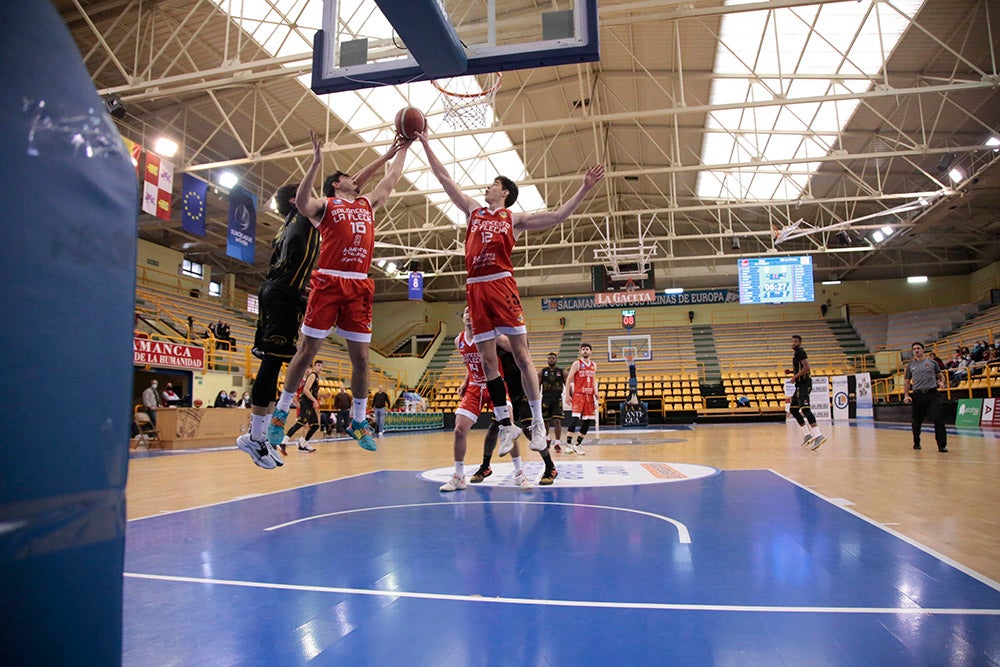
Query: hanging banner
(865, 408)
(158, 185)
(841, 398)
(416, 286)
(194, 193)
(242, 225)
(162, 354)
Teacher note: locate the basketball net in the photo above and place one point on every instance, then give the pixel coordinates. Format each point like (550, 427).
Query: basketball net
(467, 104)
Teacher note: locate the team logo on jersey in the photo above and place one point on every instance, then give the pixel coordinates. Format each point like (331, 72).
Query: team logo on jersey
(503, 214)
(338, 201)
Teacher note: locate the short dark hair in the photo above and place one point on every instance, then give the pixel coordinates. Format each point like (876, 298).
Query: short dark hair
(281, 197)
(797, 337)
(916, 343)
(586, 345)
(511, 188)
(553, 354)
(328, 182)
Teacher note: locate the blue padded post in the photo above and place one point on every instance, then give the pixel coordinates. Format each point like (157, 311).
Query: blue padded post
(428, 34)
(70, 197)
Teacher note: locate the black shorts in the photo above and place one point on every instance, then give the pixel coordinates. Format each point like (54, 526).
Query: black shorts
(552, 406)
(278, 320)
(800, 399)
(307, 412)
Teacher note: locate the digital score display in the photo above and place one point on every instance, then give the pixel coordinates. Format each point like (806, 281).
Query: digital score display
(628, 318)
(776, 279)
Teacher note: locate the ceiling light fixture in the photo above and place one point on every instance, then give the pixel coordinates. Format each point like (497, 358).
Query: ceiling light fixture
(228, 180)
(956, 175)
(916, 280)
(674, 290)
(831, 282)
(165, 147)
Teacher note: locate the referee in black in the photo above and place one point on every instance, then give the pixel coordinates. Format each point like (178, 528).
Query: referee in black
(920, 386)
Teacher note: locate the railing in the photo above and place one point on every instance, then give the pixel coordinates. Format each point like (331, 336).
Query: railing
(387, 346)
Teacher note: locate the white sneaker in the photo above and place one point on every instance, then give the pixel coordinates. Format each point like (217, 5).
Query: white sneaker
(521, 480)
(506, 437)
(538, 440)
(578, 449)
(304, 446)
(568, 448)
(259, 451)
(456, 483)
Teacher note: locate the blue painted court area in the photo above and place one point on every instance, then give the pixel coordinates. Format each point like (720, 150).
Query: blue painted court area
(739, 567)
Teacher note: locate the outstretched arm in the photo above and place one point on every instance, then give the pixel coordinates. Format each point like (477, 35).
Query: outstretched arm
(569, 378)
(459, 198)
(365, 174)
(384, 188)
(309, 206)
(543, 219)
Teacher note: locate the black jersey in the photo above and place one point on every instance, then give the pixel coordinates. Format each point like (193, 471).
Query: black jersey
(553, 380)
(797, 359)
(294, 251)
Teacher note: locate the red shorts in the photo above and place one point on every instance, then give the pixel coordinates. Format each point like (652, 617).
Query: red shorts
(495, 308)
(583, 405)
(473, 401)
(344, 303)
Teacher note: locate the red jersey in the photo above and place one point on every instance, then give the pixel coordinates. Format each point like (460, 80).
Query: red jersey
(489, 242)
(470, 355)
(348, 231)
(585, 378)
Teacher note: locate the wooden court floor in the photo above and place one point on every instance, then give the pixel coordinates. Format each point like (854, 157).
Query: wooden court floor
(948, 503)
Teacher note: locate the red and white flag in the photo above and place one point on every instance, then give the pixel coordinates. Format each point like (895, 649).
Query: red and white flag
(158, 186)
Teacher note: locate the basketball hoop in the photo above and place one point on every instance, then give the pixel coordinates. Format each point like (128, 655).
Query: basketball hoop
(466, 102)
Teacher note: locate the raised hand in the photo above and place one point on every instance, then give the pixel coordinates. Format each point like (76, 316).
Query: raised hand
(593, 175)
(317, 146)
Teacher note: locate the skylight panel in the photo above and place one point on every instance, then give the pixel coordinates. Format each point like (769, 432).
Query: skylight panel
(770, 48)
(476, 159)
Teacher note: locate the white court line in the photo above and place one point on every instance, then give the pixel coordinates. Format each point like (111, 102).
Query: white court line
(571, 603)
(684, 536)
(885, 526)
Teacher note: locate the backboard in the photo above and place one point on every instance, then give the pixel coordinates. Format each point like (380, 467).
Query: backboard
(637, 347)
(368, 43)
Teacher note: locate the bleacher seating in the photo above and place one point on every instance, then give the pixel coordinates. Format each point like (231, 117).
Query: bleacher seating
(757, 346)
(984, 326)
(923, 325)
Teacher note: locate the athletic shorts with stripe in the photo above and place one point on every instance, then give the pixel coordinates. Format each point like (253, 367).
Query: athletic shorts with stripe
(495, 308)
(341, 304)
(281, 311)
(583, 406)
(474, 400)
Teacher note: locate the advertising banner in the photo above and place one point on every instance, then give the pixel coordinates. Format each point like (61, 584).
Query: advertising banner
(146, 352)
(841, 397)
(969, 410)
(819, 399)
(863, 396)
(990, 416)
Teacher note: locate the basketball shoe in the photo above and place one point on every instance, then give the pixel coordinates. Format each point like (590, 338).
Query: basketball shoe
(259, 452)
(362, 432)
(456, 483)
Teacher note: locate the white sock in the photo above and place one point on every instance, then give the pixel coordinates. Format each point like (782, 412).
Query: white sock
(459, 469)
(536, 411)
(816, 432)
(258, 426)
(516, 460)
(501, 412)
(806, 429)
(284, 401)
(360, 409)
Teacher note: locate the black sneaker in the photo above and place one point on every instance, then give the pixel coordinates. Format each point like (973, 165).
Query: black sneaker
(916, 446)
(548, 477)
(481, 474)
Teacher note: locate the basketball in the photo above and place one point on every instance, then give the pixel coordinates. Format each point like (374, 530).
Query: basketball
(409, 121)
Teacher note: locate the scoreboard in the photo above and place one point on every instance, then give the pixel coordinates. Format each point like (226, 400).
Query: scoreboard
(776, 279)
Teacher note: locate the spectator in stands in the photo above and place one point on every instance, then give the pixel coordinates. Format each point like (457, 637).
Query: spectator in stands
(961, 370)
(169, 397)
(414, 401)
(380, 402)
(234, 399)
(743, 402)
(151, 401)
(920, 387)
(244, 401)
(222, 400)
(342, 403)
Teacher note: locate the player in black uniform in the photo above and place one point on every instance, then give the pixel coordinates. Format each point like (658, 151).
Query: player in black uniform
(552, 380)
(802, 377)
(521, 415)
(282, 302)
(308, 412)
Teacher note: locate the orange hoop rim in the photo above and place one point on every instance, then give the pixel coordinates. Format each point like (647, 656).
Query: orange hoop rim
(486, 93)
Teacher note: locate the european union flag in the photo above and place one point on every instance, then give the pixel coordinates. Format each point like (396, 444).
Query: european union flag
(193, 204)
(242, 225)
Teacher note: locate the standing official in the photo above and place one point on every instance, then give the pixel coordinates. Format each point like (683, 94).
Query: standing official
(920, 387)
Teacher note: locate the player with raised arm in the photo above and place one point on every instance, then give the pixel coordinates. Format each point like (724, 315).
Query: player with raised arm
(491, 291)
(341, 292)
(582, 384)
